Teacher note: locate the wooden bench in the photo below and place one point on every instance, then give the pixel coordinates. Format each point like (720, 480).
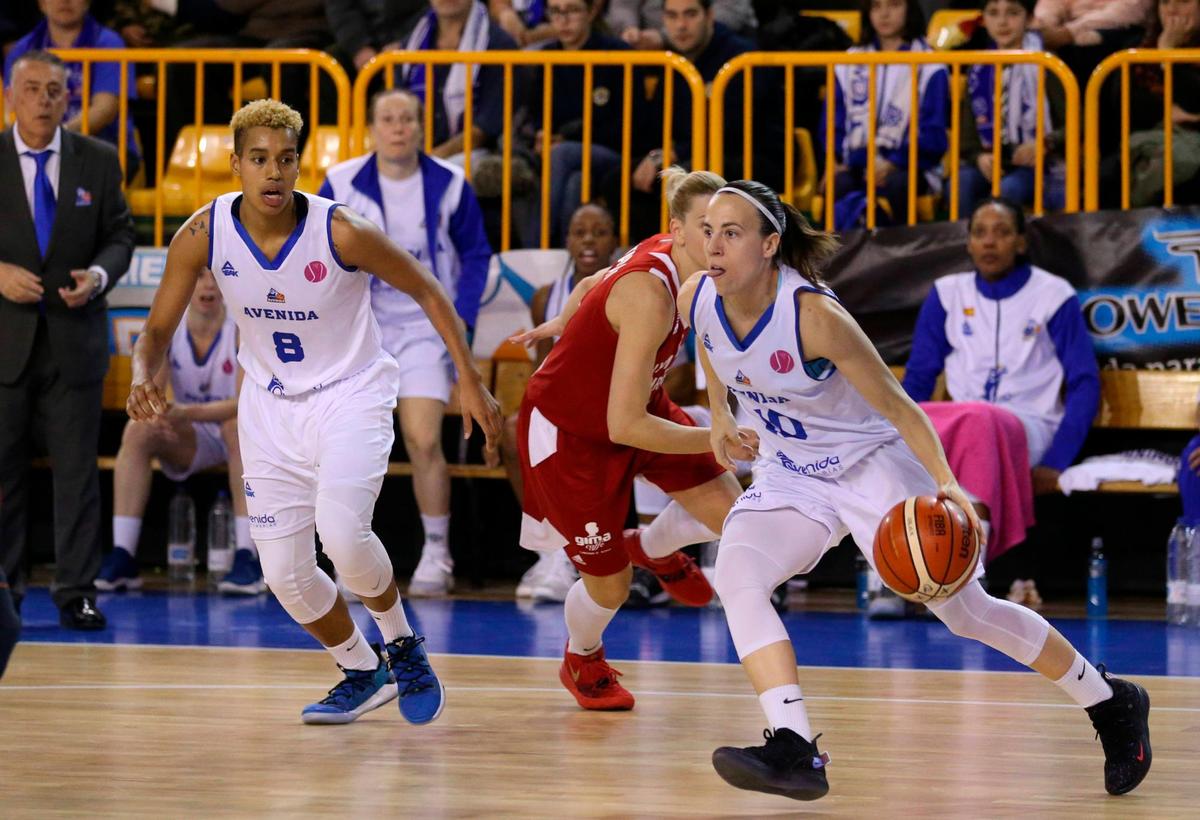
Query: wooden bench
(1133, 400)
(505, 376)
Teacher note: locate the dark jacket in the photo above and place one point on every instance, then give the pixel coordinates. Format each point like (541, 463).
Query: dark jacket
(92, 226)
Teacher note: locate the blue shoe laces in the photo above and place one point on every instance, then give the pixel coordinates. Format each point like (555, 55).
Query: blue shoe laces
(411, 669)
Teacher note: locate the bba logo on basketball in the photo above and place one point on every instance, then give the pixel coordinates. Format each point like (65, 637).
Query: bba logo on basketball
(594, 540)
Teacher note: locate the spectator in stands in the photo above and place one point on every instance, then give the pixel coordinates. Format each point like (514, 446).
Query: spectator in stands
(67, 24)
(524, 20)
(364, 28)
(640, 22)
(142, 27)
(1084, 32)
(1010, 335)
(15, 20)
(57, 261)
(427, 207)
(692, 30)
(573, 22)
(1176, 25)
(460, 25)
(591, 243)
(1189, 476)
(198, 431)
(888, 25)
(1006, 23)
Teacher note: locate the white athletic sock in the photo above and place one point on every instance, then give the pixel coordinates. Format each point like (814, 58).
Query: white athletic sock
(393, 623)
(355, 653)
(673, 529)
(586, 620)
(126, 531)
(436, 529)
(1083, 683)
(241, 528)
(784, 708)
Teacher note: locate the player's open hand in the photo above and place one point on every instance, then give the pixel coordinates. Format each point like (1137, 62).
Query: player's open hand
(546, 330)
(480, 406)
(731, 443)
(147, 401)
(955, 493)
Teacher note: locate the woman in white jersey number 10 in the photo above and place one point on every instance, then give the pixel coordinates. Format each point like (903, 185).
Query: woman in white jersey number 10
(315, 411)
(840, 444)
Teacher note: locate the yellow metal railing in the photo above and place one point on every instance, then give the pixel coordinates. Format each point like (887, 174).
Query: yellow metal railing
(953, 60)
(671, 64)
(318, 63)
(1122, 60)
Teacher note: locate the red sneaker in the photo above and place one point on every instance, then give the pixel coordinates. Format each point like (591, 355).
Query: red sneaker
(677, 573)
(593, 682)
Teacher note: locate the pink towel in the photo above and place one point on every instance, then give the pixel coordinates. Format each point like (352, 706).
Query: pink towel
(987, 451)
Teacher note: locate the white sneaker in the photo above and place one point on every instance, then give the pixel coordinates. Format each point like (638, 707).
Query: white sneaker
(533, 576)
(433, 576)
(557, 581)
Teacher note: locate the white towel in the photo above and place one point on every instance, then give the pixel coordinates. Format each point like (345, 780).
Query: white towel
(1145, 466)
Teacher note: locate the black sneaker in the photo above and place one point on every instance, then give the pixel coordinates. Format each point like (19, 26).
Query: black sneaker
(645, 591)
(786, 764)
(1122, 724)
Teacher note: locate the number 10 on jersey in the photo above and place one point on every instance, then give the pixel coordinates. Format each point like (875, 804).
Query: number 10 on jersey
(781, 425)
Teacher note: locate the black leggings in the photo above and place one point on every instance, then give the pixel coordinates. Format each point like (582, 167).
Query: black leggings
(10, 623)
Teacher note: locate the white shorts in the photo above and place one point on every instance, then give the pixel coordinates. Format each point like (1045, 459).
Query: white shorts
(294, 446)
(210, 451)
(853, 502)
(426, 371)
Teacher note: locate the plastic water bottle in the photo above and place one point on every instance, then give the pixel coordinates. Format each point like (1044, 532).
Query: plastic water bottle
(862, 575)
(1097, 594)
(220, 538)
(181, 538)
(1193, 579)
(1177, 572)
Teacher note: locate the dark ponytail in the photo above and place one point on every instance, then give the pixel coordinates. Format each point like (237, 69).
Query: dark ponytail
(801, 246)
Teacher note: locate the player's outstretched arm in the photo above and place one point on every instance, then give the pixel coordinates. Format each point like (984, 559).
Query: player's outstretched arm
(187, 256)
(556, 326)
(828, 331)
(360, 244)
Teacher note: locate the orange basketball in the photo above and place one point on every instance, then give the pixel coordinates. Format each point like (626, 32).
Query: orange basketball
(925, 549)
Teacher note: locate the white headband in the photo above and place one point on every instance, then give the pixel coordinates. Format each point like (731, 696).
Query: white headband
(754, 201)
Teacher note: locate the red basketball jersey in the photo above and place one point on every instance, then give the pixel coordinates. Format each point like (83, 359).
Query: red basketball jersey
(571, 387)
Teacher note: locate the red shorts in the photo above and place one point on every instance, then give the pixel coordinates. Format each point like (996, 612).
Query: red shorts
(577, 489)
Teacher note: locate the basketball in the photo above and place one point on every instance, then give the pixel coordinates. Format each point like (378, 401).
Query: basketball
(925, 549)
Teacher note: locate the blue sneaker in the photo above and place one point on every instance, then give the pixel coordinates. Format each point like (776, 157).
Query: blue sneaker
(357, 694)
(119, 571)
(422, 695)
(245, 576)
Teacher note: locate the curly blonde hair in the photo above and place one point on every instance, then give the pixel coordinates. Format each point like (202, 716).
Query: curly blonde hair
(266, 113)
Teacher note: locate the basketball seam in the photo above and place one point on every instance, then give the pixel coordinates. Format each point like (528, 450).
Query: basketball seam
(891, 569)
(908, 548)
(922, 569)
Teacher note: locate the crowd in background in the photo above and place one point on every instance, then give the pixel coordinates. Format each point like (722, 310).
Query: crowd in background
(708, 33)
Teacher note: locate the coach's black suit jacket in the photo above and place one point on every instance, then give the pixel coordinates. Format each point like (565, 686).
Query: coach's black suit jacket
(53, 358)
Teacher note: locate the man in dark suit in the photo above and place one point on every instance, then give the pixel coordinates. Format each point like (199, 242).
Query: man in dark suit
(66, 238)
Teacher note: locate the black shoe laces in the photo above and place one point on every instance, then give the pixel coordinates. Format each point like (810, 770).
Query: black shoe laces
(354, 682)
(410, 669)
(1115, 721)
(782, 752)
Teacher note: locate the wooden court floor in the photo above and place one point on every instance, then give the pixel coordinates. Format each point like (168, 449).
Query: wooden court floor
(125, 731)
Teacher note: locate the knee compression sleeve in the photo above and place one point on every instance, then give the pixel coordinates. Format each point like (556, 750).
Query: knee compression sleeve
(752, 561)
(289, 566)
(1014, 630)
(344, 521)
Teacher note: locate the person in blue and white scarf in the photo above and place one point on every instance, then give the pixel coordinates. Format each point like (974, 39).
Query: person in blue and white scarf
(888, 25)
(1008, 27)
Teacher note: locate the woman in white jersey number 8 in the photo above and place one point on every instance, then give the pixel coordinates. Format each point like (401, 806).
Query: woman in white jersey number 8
(840, 444)
(315, 411)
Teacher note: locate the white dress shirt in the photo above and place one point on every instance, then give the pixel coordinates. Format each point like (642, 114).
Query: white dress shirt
(29, 172)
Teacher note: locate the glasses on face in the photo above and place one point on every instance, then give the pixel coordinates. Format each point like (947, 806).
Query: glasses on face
(565, 12)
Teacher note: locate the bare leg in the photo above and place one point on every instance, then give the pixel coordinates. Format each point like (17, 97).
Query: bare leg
(421, 426)
(141, 442)
(609, 591)
(710, 502)
(237, 488)
(511, 458)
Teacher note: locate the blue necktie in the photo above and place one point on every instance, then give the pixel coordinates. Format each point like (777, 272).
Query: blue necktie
(44, 203)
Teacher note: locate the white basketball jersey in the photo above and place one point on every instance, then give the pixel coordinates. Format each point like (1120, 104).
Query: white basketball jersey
(809, 419)
(305, 318)
(213, 378)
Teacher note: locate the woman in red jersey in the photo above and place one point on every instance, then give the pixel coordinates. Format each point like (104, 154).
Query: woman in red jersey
(595, 415)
